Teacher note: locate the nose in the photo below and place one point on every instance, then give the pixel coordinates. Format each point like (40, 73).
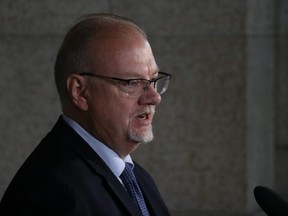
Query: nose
(150, 97)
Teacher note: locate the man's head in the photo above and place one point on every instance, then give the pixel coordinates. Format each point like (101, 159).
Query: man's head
(97, 55)
(76, 50)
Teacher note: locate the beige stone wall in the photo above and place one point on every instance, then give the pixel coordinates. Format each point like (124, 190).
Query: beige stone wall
(222, 126)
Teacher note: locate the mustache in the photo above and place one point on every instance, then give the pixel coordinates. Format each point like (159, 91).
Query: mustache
(146, 110)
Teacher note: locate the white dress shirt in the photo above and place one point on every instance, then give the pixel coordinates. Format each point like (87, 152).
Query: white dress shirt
(110, 157)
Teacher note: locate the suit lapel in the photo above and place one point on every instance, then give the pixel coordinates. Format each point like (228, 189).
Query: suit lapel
(124, 197)
(93, 160)
(150, 192)
(100, 168)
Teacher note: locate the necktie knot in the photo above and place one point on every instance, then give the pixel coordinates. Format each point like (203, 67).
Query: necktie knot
(130, 183)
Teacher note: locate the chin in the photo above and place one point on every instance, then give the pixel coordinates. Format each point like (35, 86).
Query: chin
(141, 136)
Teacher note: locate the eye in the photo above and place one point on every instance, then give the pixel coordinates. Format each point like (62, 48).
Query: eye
(134, 83)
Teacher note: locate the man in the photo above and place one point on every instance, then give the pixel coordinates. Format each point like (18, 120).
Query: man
(109, 85)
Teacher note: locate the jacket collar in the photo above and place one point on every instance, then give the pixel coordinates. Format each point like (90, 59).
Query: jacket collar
(68, 136)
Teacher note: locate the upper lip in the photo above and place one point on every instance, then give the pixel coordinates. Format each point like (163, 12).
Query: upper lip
(148, 112)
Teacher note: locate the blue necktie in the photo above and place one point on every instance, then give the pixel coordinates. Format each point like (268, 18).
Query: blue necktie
(132, 187)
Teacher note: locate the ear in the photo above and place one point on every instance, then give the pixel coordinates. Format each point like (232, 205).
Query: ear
(76, 87)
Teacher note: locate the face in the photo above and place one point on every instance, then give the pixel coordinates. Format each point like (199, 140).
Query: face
(116, 119)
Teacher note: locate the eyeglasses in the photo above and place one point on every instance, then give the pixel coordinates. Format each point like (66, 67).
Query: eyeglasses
(136, 87)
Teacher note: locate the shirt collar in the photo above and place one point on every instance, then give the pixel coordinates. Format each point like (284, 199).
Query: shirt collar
(110, 157)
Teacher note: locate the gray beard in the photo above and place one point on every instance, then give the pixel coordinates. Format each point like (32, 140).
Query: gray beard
(144, 138)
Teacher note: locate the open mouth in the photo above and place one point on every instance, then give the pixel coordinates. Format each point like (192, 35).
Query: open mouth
(143, 116)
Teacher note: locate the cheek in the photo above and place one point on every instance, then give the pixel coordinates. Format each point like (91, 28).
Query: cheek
(119, 110)
(124, 112)
(113, 108)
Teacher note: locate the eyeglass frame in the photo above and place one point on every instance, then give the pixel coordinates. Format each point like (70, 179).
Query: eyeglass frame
(165, 75)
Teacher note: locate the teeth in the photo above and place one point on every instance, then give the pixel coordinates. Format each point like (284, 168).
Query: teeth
(145, 113)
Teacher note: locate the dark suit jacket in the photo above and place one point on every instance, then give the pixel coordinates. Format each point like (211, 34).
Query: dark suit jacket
(64, 176)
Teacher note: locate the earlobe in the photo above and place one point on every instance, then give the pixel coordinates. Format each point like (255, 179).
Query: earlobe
(77, 91)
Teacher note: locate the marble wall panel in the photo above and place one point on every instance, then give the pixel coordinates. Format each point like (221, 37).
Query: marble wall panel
(282, 91)
(198, 157)
(282, 17)
(29, 103)
(200, 125)
(282, 117)
(45, 17)
(185, 17)
(261, 17)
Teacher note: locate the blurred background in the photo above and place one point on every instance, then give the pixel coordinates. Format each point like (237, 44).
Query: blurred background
(222, 127)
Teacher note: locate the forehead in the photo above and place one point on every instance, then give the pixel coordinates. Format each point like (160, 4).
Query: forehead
(127, 55)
